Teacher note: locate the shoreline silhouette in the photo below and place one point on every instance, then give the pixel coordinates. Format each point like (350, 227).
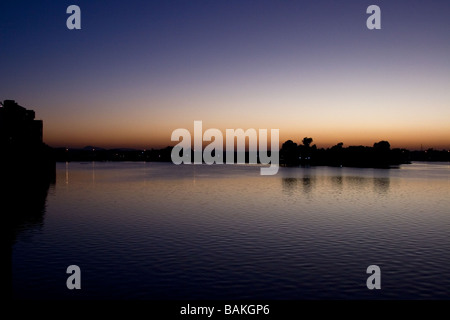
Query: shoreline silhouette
(21, 144)
(380, 155)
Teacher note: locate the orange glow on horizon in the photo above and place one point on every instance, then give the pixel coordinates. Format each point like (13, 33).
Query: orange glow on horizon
(159, 137)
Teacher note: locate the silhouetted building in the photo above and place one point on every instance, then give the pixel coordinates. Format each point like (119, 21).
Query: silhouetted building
(21, 145)
(18, 128)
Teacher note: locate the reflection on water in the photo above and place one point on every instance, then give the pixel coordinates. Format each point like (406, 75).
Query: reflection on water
(381, 185)
(308, 184)
(290, 185)
(26, 206)
(159, 231)
(23, 204)
(337, 181)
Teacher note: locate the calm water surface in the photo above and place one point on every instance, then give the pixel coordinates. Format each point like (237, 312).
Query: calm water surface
(160, 231)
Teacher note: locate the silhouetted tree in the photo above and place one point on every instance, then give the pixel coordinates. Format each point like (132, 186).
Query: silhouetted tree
(307, 141)
(382, 146)
(305, 151)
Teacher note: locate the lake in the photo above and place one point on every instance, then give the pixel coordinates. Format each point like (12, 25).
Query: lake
(160, 231)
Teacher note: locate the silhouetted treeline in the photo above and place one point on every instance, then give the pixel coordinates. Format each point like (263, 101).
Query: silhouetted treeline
(380, 155)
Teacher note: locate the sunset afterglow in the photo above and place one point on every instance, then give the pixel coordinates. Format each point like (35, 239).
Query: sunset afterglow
(135, 72)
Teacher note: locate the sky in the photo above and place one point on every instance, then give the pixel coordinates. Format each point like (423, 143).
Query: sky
(138, 70)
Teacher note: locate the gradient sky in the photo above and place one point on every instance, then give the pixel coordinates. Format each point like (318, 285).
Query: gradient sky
(140, 69)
